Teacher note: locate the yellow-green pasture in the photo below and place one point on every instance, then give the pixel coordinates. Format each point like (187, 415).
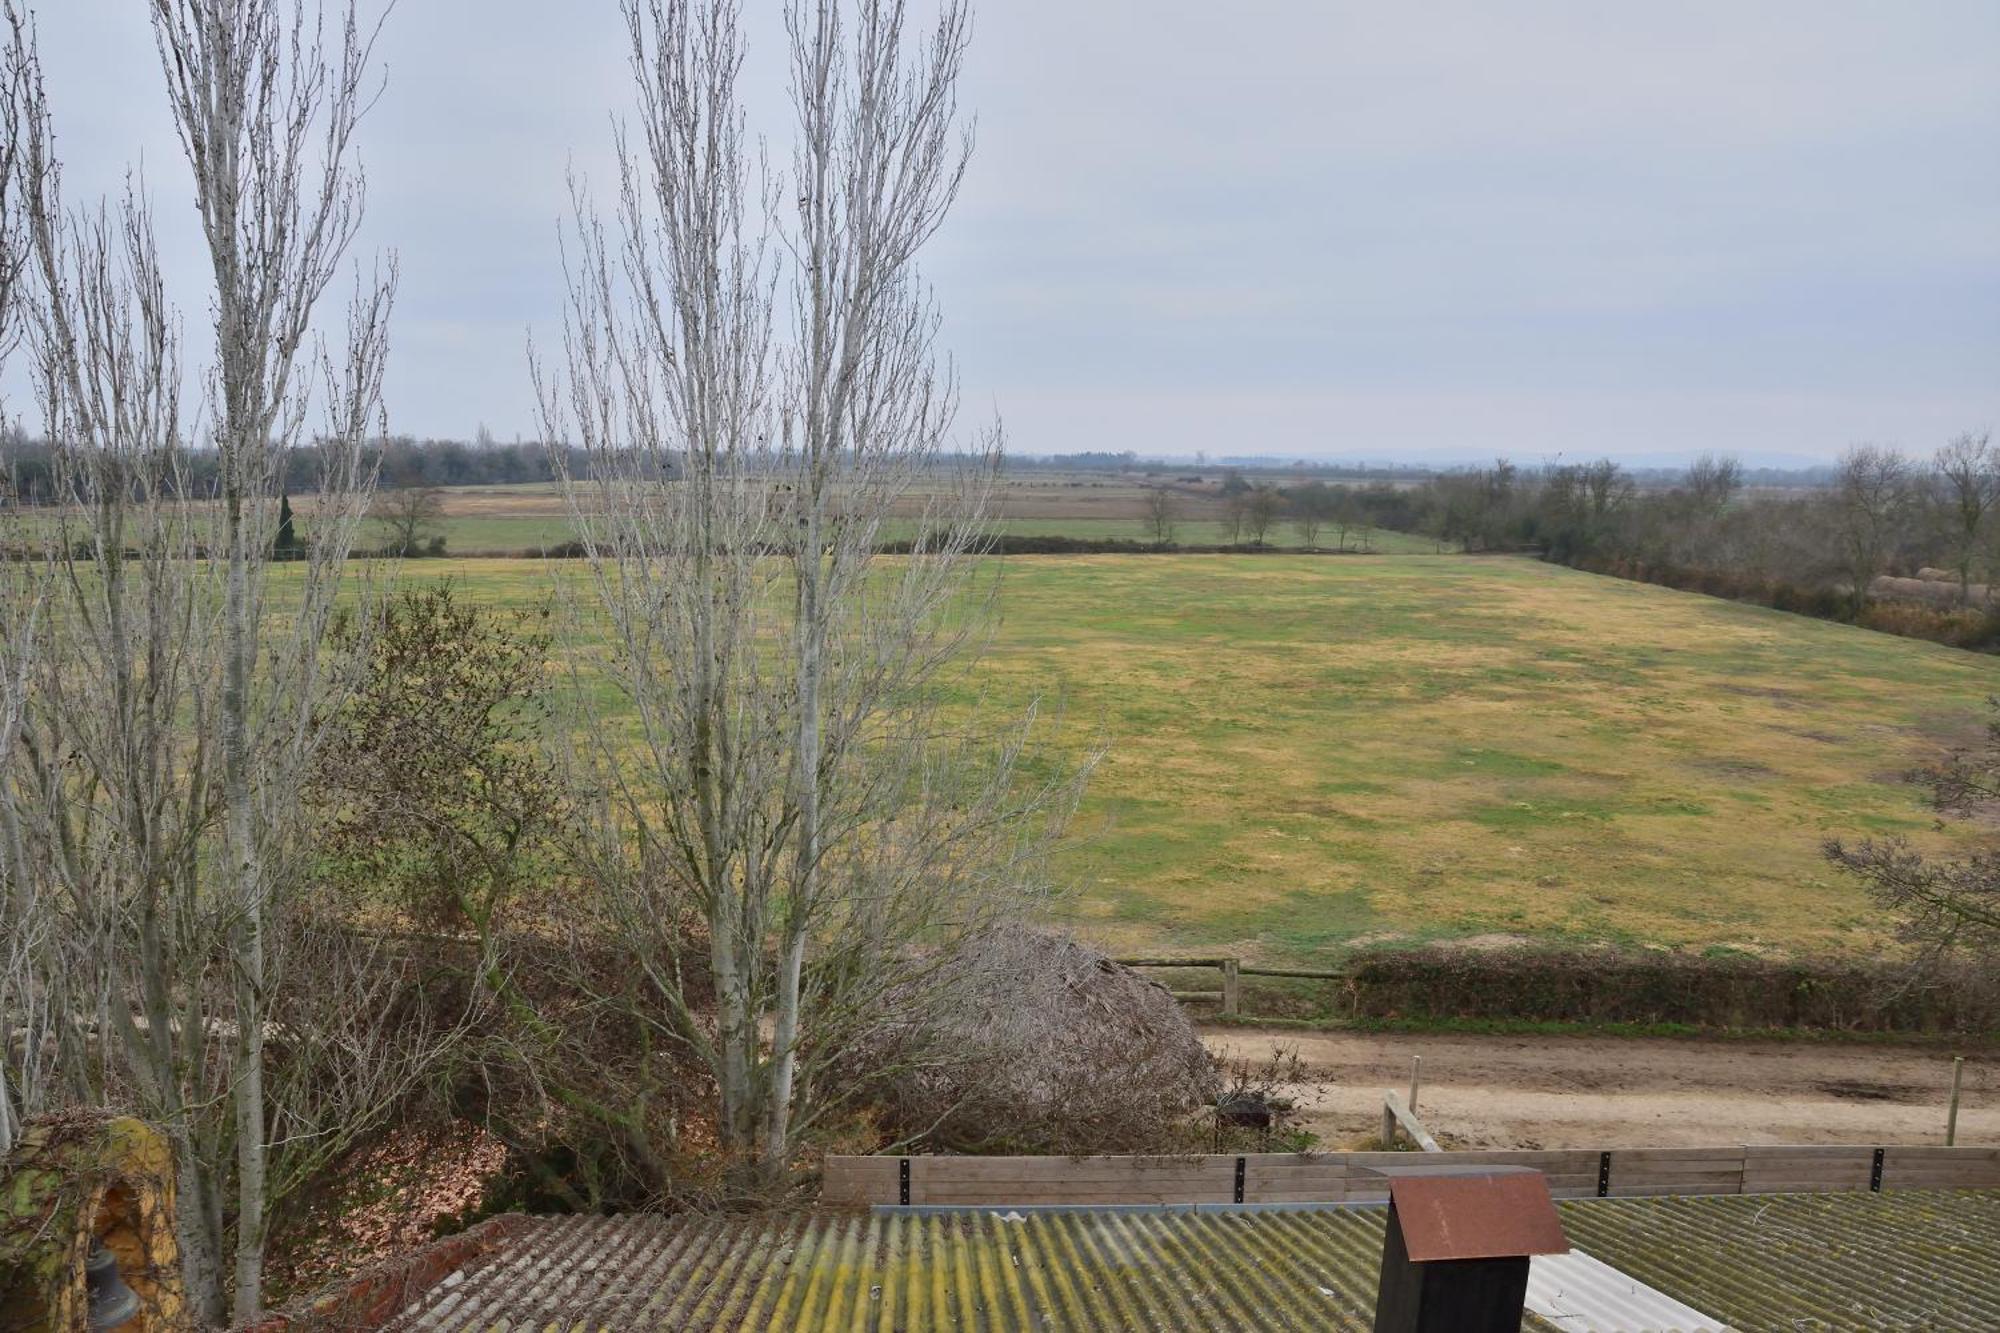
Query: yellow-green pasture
(503, 520)
(1304, 752)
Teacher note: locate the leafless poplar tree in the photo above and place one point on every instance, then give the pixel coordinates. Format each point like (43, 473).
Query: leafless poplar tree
(802, 796)
(267, 114)
(21, 1004)
(162, 720)
(1966, 486)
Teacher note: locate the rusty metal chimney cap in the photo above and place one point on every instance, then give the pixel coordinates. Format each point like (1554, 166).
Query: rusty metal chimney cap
(1454, 1214)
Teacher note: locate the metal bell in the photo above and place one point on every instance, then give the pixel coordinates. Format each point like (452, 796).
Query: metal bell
(112, 1303)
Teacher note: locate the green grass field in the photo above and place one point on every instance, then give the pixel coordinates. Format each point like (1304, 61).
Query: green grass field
(1307, 752)
(485, 533)
(504, 520)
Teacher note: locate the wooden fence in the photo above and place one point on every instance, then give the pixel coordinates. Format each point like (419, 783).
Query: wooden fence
(1230, 997)
(1357, 1177)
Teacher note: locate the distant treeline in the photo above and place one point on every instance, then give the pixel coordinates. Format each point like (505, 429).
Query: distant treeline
(402, 461)
(1281, 472)
(405, 461)
(1894, 543)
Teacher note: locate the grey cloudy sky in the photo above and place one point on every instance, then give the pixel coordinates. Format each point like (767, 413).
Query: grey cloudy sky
(1431, 230)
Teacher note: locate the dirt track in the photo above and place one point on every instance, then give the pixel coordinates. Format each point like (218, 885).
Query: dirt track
(1560, 1092)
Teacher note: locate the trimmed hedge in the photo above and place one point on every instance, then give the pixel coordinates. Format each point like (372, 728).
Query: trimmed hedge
(1977, 630)
(1570, 985)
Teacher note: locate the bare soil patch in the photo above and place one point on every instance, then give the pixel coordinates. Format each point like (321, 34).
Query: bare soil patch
(1590, 1092)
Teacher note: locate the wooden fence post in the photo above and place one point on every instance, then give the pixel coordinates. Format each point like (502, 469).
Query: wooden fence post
(1951, 1116)
(1416, 1079)
(1232, 987)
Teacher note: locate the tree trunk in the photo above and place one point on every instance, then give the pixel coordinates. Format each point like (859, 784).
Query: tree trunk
(198, 1233)
(805, 877)
(247, 898)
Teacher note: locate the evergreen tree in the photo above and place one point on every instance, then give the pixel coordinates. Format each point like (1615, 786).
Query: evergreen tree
(287, 542)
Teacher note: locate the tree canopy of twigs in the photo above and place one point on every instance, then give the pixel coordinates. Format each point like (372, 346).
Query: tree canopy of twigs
(1946, 908)
(754, 381)
(165, 700)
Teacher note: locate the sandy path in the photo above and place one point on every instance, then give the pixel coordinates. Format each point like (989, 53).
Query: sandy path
(1561, 1092)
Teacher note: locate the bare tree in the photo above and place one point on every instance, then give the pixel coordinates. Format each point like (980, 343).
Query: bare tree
(17, 73)
(1261, 508)
(408, 516)
(1965, 487)
(168, 712)
(1312, 504)
(1712, 482)
(1163, 514)
(266, 115)
(23, 927)
(801, 797)
(1235, 513)
(1868, 506)
(1945, 908)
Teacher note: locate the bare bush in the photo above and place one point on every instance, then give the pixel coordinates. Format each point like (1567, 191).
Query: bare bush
(1947, 908)
(1050, 1047)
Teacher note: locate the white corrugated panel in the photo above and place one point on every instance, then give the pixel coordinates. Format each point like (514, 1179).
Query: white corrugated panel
(1575, 1291)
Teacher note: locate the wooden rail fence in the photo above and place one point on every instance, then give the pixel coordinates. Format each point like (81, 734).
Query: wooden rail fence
(1230, 997)
(1357, 1177)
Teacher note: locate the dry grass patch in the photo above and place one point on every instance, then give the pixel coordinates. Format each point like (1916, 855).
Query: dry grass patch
(1307, 752)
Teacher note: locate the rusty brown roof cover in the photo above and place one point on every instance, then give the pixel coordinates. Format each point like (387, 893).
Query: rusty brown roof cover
(1476, 1216)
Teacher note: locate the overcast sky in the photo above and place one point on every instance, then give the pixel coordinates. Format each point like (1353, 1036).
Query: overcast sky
(1417, 230)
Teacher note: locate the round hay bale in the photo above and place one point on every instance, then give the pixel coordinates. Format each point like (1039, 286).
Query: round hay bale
(1050, 1047)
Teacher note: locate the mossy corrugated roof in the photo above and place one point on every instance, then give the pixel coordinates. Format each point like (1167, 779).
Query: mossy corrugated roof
(1912, 1259)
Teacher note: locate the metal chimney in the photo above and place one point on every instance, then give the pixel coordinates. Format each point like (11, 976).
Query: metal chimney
(1455, 1259)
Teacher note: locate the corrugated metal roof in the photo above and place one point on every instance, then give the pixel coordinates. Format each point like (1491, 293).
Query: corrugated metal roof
(1069, 1270)
(1915, 1258)
(1901, 1259)
(1579, 1291)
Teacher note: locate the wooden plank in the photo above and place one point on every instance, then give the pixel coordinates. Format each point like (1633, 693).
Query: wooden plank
(859, 1180)
(1068, 1167)
(1674, 1170)
(961, 1168)
(1270, 1159)
(1665, 1156)
(1335, 1177)
(985, 1198)
(1940, 1175)
(1393, 1109)
(1303, 974)
(1833, 1177)
(1980, 1169)
(1086, 1180)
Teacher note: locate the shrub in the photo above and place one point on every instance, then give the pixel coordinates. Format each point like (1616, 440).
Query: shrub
(1598, 985)
(1050, 1048)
